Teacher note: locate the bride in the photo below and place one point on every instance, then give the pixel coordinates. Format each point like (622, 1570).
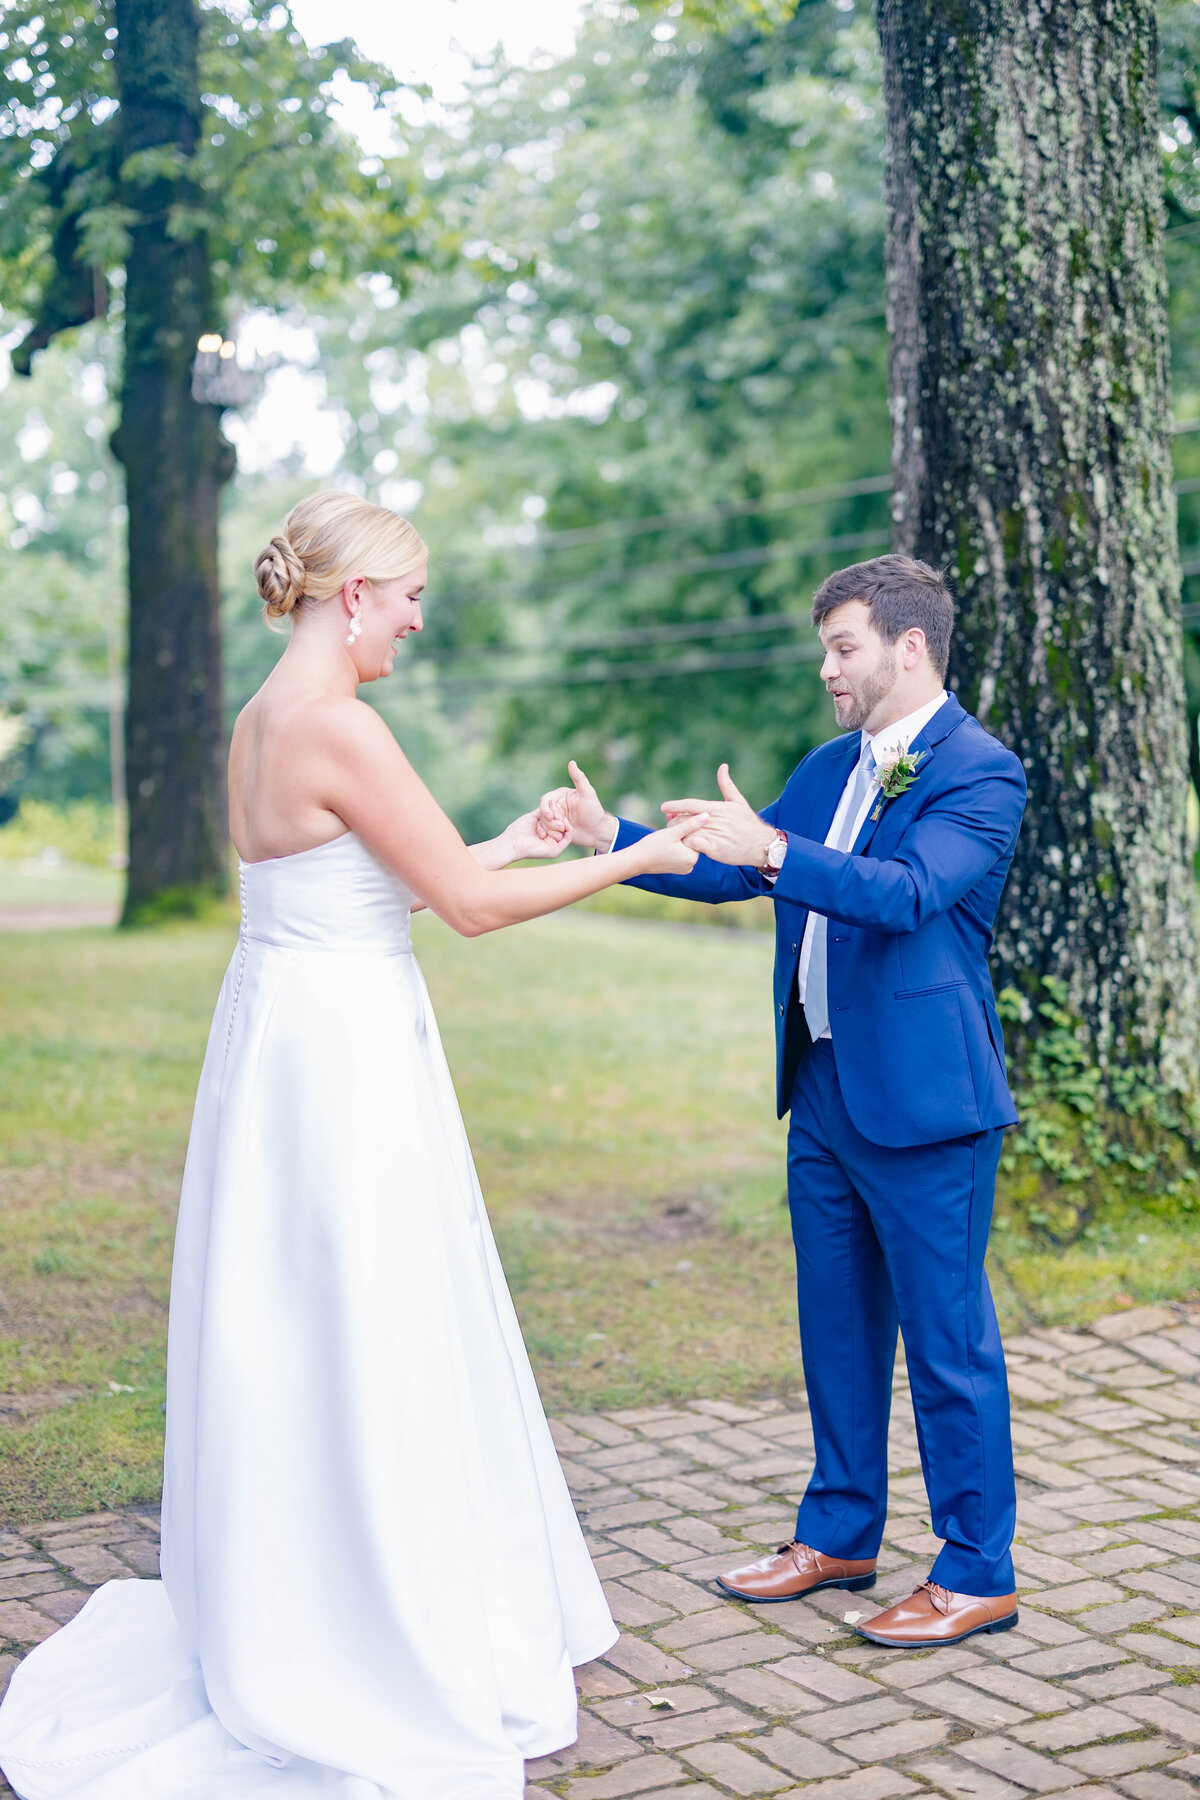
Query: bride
(373, 1583)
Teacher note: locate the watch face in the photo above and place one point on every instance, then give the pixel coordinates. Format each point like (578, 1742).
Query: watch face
(776, 854)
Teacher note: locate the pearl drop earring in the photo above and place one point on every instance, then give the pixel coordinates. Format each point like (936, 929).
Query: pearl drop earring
(355, 631)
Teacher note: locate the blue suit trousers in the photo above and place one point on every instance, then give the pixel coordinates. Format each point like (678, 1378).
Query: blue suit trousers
(896, 1237)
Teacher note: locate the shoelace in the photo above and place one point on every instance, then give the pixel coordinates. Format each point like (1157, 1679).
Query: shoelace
(939, 1595)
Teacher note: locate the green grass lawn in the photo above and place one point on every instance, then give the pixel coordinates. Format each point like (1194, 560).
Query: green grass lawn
(616, 1079)
(33, 883)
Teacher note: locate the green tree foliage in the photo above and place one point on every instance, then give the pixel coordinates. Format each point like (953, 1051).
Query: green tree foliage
(288, 204)
(648, 280)
(668, 302)
(188, 160)
(61, 575)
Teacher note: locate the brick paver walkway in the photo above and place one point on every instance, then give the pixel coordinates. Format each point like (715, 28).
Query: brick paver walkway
(1096, 1694)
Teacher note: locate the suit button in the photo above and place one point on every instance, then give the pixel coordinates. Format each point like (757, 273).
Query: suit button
(781, 1009)
(795, 948)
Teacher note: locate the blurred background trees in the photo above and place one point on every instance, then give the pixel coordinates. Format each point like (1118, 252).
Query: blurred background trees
(164, 166)
(657, 292)
(626, 365)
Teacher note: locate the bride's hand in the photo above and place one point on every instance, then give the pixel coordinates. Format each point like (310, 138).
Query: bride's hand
(579, 808)
(666, 852)
(523, 838)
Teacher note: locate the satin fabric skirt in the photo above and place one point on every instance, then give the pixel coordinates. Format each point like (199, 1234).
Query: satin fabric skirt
(374, 1584)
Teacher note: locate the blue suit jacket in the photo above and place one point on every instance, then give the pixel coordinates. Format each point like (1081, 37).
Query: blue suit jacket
(916, 1036)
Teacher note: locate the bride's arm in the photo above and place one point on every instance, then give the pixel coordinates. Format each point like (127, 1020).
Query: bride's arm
(366, 779)
(521, 842)
(518, 842)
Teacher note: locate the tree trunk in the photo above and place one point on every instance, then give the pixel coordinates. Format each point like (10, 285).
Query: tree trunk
(1030, 404)
(176, 461)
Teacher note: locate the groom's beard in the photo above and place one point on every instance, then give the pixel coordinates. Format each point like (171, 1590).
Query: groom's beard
(853, 712)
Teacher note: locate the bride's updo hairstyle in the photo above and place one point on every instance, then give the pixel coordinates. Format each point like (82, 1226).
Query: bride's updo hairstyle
(326, 541)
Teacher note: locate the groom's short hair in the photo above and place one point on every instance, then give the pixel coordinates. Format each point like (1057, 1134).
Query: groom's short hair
(901, 593)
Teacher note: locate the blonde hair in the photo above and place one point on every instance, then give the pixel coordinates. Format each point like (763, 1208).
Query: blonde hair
(326, 540)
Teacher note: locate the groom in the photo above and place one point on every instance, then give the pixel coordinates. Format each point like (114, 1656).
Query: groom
(885, 856)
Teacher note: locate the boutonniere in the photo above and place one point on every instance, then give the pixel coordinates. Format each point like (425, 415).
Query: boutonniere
(894, 774)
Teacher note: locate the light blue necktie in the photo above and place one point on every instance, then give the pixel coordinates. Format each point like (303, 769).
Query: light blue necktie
(816, 993)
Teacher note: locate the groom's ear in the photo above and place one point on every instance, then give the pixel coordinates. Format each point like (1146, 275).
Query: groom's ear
(914, 647)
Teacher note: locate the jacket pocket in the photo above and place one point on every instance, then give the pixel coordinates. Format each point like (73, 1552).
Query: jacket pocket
(942, 987)
(935, 1018)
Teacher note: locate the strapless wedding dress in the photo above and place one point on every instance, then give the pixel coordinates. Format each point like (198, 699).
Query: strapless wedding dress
(374, 1584)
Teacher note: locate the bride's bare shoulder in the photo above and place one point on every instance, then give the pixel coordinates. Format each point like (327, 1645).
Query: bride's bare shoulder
(343, 721)
(310, 713)
(307, 727)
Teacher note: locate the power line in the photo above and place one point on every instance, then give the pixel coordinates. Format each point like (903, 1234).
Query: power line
(600, 673)
(734, 509)
(705, 628)
(743, 509)
(753, 557)
(629, 640)
(98, 698)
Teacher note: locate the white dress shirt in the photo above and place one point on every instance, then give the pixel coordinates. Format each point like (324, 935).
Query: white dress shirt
(883, 743)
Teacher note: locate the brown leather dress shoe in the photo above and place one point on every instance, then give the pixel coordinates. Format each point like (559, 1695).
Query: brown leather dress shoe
(796, 1569)
(933, 1615)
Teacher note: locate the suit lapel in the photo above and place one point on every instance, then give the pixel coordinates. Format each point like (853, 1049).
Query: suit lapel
(825, 803)
(945, 720)
(874, 818)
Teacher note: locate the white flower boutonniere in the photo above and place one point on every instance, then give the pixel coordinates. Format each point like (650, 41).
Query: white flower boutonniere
(894, 774)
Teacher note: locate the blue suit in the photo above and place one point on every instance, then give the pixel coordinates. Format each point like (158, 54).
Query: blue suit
(895, 1132)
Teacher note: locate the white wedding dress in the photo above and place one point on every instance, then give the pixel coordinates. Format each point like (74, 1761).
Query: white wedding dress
(374, 1584)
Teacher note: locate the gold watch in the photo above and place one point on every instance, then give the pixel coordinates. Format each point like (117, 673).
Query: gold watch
(773, 860)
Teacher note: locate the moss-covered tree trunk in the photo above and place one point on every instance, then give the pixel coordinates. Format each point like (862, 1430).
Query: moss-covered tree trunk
(1030, 406)
(176, 461)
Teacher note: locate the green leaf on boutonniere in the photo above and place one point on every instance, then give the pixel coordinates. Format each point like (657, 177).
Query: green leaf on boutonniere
(895, 774)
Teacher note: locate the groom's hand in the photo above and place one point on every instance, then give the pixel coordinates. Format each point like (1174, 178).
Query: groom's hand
(733, 832)
(578, 808)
